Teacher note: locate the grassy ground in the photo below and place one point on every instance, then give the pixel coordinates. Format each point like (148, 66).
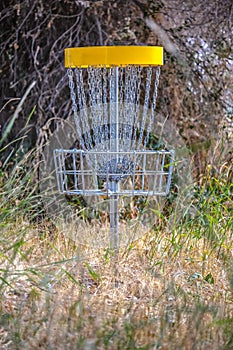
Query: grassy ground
(171, 289)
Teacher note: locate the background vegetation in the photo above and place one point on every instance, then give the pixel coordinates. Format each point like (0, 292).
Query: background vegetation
(174, 285)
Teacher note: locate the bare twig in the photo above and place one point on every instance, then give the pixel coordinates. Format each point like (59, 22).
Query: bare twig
(16, 113)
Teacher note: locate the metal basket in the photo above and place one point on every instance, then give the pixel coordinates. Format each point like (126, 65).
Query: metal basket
(130, 173)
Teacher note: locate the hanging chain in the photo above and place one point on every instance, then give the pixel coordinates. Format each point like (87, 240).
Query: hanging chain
(126, 109)
(137, 105)
(98, 96)
(83, 119)
(132, 91)
(121, 106)
(72, 92)
(92, 102)
(113, 102)
(146, 103)
(101, 87)
(153, 106)
(105, 102)
(74, 103)
(91, 91)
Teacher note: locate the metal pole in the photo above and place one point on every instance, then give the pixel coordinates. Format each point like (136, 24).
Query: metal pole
(114, 238)
(114, 147)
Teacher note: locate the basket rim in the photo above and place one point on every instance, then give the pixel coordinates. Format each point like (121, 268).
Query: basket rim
(108, 56)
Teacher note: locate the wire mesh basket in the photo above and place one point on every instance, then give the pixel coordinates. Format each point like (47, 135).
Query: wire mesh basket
(130, 173)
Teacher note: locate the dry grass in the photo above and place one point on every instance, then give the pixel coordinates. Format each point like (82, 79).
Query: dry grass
(58, 295)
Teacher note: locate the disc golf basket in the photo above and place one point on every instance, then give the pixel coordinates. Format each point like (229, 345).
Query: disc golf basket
(113, 92)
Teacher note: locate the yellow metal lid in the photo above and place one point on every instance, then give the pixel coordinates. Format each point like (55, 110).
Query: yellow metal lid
(113, 56)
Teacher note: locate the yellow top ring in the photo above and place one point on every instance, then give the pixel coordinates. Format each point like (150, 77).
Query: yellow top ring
(113, 56)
